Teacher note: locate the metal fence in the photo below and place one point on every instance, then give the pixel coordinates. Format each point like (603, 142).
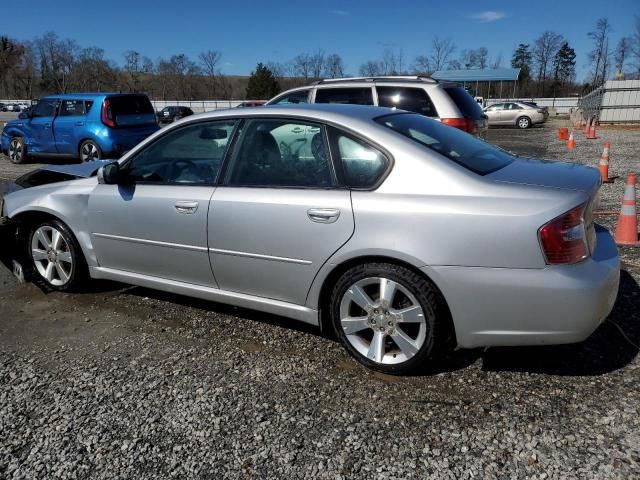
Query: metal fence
(617, 101)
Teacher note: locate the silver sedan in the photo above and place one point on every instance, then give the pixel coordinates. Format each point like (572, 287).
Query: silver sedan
(518, 114)
(403, 236)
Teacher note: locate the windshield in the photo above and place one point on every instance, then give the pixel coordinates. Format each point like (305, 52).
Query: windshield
(456, 145)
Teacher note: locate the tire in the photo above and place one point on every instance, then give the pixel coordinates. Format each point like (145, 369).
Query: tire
(89, 151)
(55, 256)
(393, 337)
(523, 122)
(17, 150)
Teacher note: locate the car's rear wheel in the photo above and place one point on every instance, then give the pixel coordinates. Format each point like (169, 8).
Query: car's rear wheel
(90, 151)
(523, 122)
(56, 256)
(17, 150)
(388, 317)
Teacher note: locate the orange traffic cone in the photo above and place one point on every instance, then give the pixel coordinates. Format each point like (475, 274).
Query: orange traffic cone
(604, 164)
(627, 227)
(591, 134)
(571, 144)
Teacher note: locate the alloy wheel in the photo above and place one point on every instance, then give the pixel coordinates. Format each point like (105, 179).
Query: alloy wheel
(382, 320)
(51, 255)
(16, 150)
(89, 152)
(523, 123)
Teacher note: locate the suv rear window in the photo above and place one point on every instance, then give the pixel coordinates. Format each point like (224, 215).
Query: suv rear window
(130, 105)
(465, 102)
(456, 145)
(411, 99)
(355, 96)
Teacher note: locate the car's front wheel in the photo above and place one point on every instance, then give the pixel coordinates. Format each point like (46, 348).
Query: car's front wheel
(90, 151)
(56, 256)
(388, 317)
(17, 150)
(523, 122)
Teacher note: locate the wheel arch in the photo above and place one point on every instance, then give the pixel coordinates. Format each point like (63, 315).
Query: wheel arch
(27, 217)
(321, 296)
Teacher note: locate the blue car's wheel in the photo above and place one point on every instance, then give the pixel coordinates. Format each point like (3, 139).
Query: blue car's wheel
(90, 151)
(17, 150)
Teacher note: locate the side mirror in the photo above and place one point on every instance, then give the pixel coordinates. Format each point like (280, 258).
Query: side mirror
(213, 134)
(109, 174)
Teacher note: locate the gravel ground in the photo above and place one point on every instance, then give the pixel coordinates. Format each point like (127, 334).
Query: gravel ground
(124, 382)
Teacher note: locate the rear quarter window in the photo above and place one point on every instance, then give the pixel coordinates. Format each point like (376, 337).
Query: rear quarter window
(465, 102)
(405, 98)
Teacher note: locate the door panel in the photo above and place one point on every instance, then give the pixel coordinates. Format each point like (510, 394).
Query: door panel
(41, 125)
(272, 242)
(68, 126)
(157, 230)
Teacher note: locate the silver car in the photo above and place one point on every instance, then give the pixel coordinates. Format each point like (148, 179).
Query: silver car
(404, 236)
(519, 114)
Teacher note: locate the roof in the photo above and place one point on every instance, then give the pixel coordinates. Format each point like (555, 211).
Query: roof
(486, 75)
(69, 96)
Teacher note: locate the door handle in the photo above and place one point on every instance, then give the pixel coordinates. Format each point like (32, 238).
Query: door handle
(79, 124)
(323, 215)
(186, 207)
(47, 125)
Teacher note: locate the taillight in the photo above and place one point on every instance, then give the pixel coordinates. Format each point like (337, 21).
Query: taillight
(106, 116)
(564, 239)
(464, 124)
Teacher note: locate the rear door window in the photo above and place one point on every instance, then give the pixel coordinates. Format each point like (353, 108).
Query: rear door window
(465, 102)
(405, 98)
(71, 108)
(355, 96)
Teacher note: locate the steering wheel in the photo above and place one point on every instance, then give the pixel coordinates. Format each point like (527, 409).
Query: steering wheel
(179, 167)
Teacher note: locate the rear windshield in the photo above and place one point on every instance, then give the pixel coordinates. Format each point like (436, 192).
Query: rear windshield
(461, 147)
(465, 102)
(130, 105)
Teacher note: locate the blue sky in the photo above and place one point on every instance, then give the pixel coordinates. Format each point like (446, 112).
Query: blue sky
(248, 32)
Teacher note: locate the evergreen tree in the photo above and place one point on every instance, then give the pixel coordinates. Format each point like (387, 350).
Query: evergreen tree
(262, 84)
(564, 64)
(522, 59)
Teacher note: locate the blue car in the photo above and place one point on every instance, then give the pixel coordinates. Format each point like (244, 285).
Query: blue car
(88, 126)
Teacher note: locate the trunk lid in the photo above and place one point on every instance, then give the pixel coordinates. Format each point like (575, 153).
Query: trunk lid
(542, 173)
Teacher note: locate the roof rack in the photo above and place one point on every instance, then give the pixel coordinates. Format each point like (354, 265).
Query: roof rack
(384, 78)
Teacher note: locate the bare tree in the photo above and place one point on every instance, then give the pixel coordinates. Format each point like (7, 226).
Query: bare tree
(10, 56)
(623, 49)
(371, 68)
(545, 48)
(497, 62)
(469, 59)
(441, 51)
(209, 60)
(599, 56)
(392, 62)
(635, 45)
(422, 65)
(483, 57)
(302, 65)
(57, 58)
(133, 69)
(334, 67)
(316, 64)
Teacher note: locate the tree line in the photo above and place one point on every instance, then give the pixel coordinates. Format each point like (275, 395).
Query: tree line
(50, 64)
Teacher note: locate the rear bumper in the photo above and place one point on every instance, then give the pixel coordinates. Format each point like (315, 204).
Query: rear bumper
(554, 305)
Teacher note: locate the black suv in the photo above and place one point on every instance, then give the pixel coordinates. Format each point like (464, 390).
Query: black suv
(173, 113)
